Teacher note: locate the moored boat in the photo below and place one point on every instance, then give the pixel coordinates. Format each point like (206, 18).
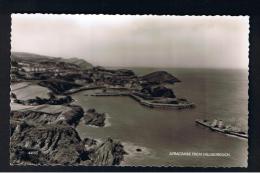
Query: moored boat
(218, 126)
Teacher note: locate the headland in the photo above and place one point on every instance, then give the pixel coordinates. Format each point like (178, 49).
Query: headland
(43, 128)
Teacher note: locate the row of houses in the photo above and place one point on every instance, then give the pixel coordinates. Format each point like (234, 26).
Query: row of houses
(37, 68)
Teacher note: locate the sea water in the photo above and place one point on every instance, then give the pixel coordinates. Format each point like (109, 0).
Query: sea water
(160, 134)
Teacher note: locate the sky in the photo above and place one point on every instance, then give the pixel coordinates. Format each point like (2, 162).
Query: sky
(136, 41)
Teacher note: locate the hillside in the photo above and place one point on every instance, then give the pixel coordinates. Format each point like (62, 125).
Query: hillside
(22, 56)
(30, 57)
(80, 62)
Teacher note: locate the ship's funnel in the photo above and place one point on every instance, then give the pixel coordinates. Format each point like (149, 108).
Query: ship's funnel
(214, 123)
(220, 124)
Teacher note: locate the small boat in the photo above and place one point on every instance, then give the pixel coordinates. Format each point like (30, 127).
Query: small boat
(218, 126)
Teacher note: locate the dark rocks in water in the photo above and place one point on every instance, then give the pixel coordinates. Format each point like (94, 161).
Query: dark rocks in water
(158, 91)
(138, 149)
(58, 86)
(159, 77)
(73, 116)
(109, 152)
(91, 117)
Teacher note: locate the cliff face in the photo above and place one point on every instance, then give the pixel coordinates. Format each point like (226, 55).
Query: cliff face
(108, 153)
(71, 116)
(91, 117)
(158, 91)
(41, 138)
(53, 144)
(34, 116)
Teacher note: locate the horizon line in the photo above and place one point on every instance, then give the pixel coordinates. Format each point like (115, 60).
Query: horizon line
(123, 66)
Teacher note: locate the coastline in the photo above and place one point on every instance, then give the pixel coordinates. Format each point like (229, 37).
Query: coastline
(147, 102)
(57, 119)
(59, 116)
(125, 155)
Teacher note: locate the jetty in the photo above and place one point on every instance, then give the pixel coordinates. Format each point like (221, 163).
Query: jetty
(161, 105)
(148, 103)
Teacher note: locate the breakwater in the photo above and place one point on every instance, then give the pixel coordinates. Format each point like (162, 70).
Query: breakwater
(147, 102)
(161, 105)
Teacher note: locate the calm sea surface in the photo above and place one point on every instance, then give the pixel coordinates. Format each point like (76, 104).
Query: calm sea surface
(218, 94)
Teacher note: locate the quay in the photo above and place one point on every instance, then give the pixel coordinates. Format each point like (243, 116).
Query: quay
(146, 102)
(161, 105)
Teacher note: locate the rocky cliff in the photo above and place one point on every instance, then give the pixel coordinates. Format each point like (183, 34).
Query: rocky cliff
(159, 77)
(158, 91)
(40, 138)
(91, 117)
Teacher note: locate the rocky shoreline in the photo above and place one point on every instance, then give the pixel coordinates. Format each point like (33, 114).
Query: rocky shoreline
(48, 136)
(91, 117)
(41, 138)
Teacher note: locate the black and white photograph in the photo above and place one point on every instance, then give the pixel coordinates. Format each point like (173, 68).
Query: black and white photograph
(129, 90)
